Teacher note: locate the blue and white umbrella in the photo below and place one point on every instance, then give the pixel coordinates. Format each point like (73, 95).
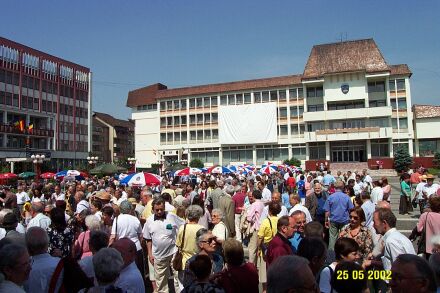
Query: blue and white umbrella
(219, 170)
(270, 169)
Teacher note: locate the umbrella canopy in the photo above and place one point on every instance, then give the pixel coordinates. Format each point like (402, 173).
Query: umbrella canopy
(107, 169)
(71, 174)
(122, 176)
(26, 175)
(187, 171)
(8, 176)
(269, 169)
(47, 175)
(219, 170)
(141, 179)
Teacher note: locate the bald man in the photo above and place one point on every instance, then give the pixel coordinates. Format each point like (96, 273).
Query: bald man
(383, 204)
(130, 278)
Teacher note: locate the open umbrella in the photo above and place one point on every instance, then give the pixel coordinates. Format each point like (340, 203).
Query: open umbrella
(269, 169)
(26, 175)
(219, 170)
(141, 179)
(71, 174)
(187, 171)
(8, 176)
(47, 175)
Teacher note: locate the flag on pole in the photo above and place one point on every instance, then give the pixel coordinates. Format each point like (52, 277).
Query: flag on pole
(30, 127)
(21, 125)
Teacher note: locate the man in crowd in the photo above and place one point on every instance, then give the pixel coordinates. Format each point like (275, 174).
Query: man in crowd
(300, 221)
(38, 218)
(238, 199)
(276, 197)
(22, 197)
(58, 195)
(253, 216)
(368, 207)
(315, 203)
(266, 195)
(226, 205)
(81, 202)
(337, 209)
(146, 200)
(295, 202)
(280, 244)
(160, 232)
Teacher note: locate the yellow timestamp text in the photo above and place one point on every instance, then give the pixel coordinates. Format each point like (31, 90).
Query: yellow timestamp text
(361, 275)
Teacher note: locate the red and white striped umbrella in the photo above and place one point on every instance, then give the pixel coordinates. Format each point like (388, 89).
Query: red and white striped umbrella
(47, 175)
(188, 171)
(270, 169)
(142, 179)
(8, 176)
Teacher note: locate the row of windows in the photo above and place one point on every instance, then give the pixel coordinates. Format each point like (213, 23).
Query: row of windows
(182, 137)
(354, 104)
(352, 123)
(149, 107)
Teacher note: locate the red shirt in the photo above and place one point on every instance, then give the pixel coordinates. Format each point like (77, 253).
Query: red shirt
(239, 279)
(238, 199)
(415, 178)
(291, 182)
(278, 246)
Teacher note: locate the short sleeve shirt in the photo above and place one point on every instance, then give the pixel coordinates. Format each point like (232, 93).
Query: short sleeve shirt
(128, 226)
(268, 229)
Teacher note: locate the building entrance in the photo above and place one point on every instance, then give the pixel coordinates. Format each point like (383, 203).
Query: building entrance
(348, 152)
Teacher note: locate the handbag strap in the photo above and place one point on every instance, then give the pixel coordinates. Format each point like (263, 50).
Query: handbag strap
(426, 221)
(56, 276)
(183, 237)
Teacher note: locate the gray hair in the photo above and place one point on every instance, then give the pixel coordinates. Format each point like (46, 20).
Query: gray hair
(37, 240)
(3, 213)
(230, 190)
(291, 265)
(38, 207)
(200, 235)
(220, 183)
(107, 263)
(193, 212)
(92, 223)
(422, 267)
(8, 257)
(218, 212)
(125, 207)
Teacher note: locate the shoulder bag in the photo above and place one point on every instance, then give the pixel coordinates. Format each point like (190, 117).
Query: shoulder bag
(264, 246)
(177, 261)
(421, 245)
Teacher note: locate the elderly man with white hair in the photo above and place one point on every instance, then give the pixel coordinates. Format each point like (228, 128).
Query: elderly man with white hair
(38, 218)
(43, 265)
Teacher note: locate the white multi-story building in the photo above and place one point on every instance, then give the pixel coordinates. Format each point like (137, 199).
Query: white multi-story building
(349, 105)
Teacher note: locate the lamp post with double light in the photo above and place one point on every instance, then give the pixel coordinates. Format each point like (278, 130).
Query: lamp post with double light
(92, 161)
(132, 162)
(37, 160)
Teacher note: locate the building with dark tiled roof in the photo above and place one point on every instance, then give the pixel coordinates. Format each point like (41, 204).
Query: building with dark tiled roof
(348, 106)
(113, 139)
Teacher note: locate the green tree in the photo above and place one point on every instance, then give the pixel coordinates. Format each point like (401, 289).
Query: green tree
(436, 160)
(402, 159)
(196, 163)
(292, 161)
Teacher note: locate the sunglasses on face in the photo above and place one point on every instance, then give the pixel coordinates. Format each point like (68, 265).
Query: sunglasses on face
(209, 240)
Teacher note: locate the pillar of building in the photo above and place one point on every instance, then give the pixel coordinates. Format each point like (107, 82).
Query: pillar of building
(12, 167)
(390, 145)
(327, 150)
(307, 152)
(368, 149)
(410, 147)
(290, 152)
(220, 156)
(416, 147)
(254, 154)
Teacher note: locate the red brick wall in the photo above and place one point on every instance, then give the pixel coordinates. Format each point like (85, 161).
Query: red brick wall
(426, 162)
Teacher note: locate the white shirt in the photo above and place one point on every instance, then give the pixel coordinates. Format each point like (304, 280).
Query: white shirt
(430, 190)
(82, 205)
(40, 220)
(20, 229)
(169, 207)
(22, 197)
(376, 194)
(60, 196)
(128, 226)
(130, 279)
(357, 188)
(419, 189)
(220, 231)
(300, 207)
(324, 279)
(265, 213)
(395, 244)
(286, 176)
(266, 195)
(162, 233)
(10, 287)
(43, 267)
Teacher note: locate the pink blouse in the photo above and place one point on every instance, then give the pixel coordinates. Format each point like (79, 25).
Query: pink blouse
(432, 227)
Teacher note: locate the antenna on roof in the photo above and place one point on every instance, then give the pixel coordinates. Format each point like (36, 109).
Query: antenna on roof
(343, 37)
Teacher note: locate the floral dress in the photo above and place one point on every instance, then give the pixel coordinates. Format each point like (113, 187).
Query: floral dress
(363, 238)
(61, 240)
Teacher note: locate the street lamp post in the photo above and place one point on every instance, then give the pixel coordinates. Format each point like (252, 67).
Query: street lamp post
(38, 159)
(92, 161)
(132, 162)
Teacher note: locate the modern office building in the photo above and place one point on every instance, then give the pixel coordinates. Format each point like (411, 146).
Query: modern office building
(113, 139)
(45, 106)
(348, 106)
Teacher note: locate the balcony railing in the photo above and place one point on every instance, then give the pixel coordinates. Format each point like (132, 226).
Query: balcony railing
(348, 134)
(32, 132)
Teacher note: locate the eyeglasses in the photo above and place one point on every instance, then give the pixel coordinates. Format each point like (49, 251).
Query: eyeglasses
(209, 240)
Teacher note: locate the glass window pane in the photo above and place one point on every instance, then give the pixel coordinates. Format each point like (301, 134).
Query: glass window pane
(282, 95)
(239, 99)
(223, 100)
(257, 97)
(247, 98)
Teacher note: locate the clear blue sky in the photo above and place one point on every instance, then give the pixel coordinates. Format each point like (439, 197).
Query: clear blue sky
(130, 44)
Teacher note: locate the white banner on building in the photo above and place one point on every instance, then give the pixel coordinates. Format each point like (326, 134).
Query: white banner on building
(248, 124)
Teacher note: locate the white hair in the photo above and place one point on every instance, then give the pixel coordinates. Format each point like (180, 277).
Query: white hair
(92, 223)
(218, 212)
(107, 263)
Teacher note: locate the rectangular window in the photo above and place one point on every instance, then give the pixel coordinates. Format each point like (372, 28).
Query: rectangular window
(177, 137)
(207, 102)
(231, 100)
(215, 134)
(192, 119)
(313, 126)
(315, 92)
(239, 99)
(400, 84)
(294, 129)
(283, 112)
(169, 105)
(315, 108)
(379, 122)
(15, 100)
(392, 85)
(183, 137)
(199, 136)
(183, 120)
(427, 148)
(257, 97)
(300, 93)
(214, 101)
(192, 136)
(273, 96)
(214, 117)
(169, 137)
(296, 111)
(299, 153)
(183, 104)
(163, 106)
(192, 103)
(403, 123)
(283, 130)
(282, 95)
(223, 100)
(346, 105)
(317, 151)
(163, 122)
(199, 119)
(176, 120)
(176, 104)
(265, 98)
(379, 149)
(207, 135)
(377, 103)
(163, 137)
(401, 103)
(376, 87)
(247, 98)
(207, 117)
(199, 102)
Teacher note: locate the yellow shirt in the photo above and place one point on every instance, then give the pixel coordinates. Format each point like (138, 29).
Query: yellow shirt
(190, 243)
(265, 231)
(148, 210)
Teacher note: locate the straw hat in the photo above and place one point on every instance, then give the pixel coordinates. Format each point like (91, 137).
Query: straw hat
(430, 176)
(103, 195)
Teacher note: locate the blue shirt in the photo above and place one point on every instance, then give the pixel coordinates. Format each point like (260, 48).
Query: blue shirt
(295, 240)
(328, 179)
(369, 209)
(320, 211)
(285, 200)
(301, 188)
(338, 205)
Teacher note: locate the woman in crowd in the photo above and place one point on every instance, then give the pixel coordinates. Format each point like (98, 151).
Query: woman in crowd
(353, 283)
(236, 270)
(107, 218)
(357, 230)
(345, 249)
(81, 248)
(405, 194)
(205, 219)
(60, 234)
(187, 236)
(431, 222)
(386, 188)
(220, 230)
(201, 267)
(203, 190)
(207, 245)
(95, 208)
(15, 266)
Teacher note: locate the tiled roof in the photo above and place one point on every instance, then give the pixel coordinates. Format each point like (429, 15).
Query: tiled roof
(359, 55)
(426, 111)
(114, 121)
(152, 93)
(400, 69)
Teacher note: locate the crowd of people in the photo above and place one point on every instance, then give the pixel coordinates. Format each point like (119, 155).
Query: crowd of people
(302, 232)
